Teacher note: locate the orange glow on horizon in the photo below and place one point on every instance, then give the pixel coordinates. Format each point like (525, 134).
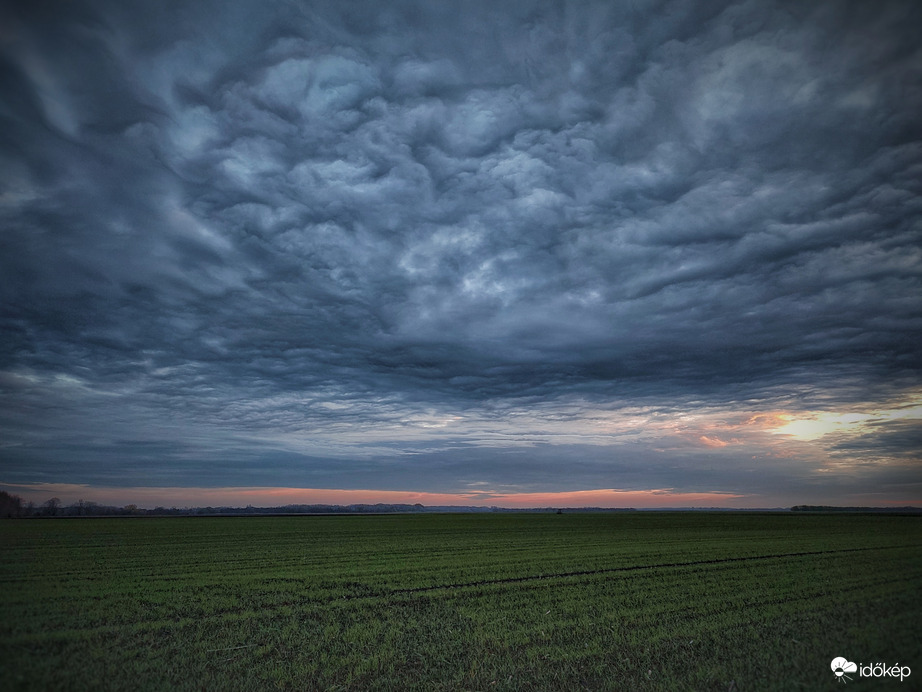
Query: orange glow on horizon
(271, 497)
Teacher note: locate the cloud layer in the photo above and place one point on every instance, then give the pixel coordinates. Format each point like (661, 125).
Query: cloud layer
(420, 246)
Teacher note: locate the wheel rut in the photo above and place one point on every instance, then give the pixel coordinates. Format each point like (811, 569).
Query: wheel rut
(631, 568)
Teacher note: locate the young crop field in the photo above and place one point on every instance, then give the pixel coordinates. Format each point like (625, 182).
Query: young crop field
(619, 601)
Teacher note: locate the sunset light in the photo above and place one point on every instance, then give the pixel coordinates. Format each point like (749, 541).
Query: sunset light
(525, 345)
(373, 248)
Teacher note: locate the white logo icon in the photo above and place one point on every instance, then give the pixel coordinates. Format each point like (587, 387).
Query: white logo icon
(840, 667)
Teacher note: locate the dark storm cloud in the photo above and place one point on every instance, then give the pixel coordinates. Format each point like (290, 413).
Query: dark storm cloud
(900, 440)
(294, 220)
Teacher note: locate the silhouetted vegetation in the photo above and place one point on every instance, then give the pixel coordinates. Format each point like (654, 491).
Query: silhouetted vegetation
(13, 506)
(10, 505)
(885, 510)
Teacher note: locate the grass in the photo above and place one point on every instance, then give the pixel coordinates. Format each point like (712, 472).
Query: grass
(643, 601)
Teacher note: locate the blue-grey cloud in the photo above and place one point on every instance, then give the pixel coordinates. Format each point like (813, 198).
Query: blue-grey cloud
(302, 223)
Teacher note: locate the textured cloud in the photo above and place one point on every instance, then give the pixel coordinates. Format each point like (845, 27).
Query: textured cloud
(416, 246)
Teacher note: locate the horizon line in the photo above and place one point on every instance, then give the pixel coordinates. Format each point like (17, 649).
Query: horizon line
(149, 497)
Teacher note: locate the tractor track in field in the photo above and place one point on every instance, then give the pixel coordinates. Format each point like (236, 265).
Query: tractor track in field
(628, 568)
(172, 621)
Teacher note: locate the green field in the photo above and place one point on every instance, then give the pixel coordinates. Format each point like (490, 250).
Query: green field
(633, 601)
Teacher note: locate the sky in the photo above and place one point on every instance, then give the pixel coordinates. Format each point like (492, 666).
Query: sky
(628, 254)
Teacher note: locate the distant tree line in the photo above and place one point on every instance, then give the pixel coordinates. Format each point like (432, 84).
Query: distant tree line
(12, 506)
(829, 508)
